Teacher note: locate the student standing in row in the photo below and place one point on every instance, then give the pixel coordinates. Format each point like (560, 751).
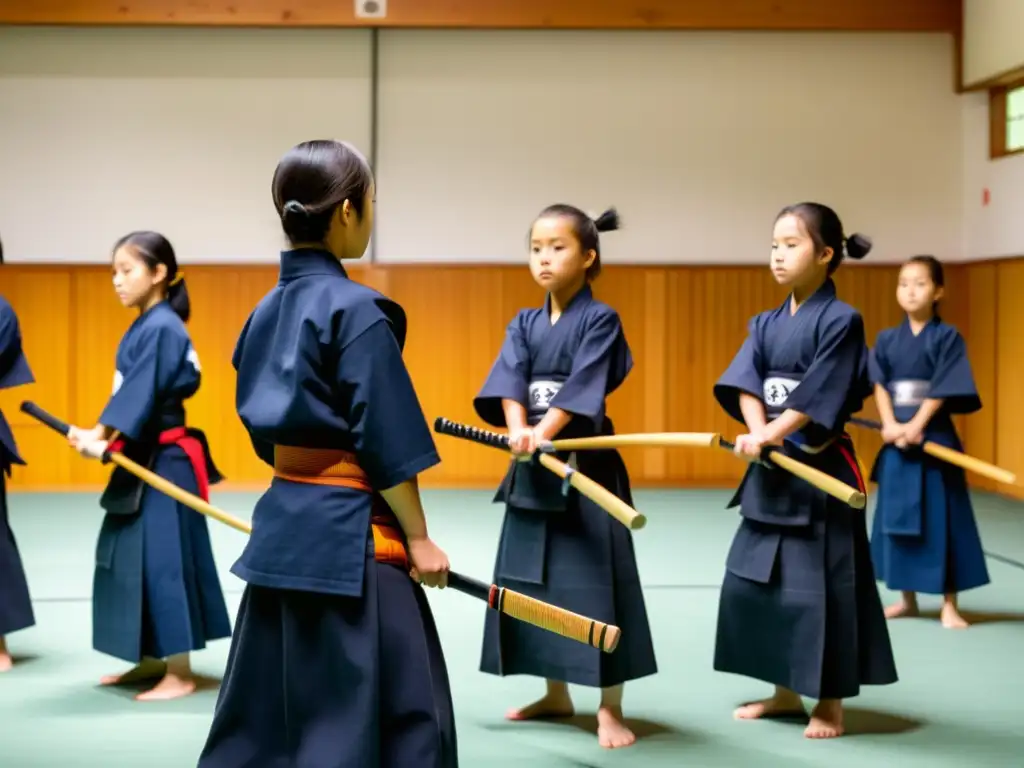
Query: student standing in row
(799, 607)
(925, 537)
(556, 368)
(156, 593)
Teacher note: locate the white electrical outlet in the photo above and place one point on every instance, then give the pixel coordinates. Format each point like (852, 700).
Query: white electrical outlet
(371, 9)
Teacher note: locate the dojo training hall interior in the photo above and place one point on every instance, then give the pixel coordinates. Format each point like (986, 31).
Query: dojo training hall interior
(698, 121)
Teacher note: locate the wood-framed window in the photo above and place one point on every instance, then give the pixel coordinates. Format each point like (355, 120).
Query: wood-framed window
(1006, 118)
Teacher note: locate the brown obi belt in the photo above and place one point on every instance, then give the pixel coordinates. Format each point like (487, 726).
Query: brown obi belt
(330, 466)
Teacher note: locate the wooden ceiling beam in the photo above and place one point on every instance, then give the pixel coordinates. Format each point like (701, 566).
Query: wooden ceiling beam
(748, 15)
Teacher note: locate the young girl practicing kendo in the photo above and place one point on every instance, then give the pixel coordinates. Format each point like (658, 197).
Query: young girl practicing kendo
(924, 536)
(799, 607)
(156, 593)
(556, 367)
(336, 661)
(15, 603)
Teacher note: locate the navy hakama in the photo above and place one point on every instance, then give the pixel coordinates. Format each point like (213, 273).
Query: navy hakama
(156, 592)
(924, 534)
(799, 607)
(335, 661)
(15, 602)
(564, 549)
(326, 681)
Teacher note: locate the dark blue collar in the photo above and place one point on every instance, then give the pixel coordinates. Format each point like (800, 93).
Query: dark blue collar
(303, 262)
(581, 298)
(154, 311)
(823, 295)
(934, 322)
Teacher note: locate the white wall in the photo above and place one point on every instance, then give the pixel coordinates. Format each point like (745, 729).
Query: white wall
(994, 230)
(698, 138)
(993, 42)
(103, 131)
(993, 45)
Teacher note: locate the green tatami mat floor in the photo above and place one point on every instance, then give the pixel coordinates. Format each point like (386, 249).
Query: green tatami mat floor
(958, 702)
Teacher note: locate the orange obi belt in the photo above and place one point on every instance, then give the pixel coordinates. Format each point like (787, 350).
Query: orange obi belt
(329, 466)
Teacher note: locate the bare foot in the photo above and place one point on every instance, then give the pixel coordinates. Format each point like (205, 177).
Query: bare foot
(903, 608)
(612, 732)
(147, 669)
(170, 687)
(782, 704)
(951, 618)
(826, 720)
(547, 707)
(6, 662)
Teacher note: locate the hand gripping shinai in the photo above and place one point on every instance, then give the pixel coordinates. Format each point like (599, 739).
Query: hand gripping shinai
(962, 460)
(823, 481)
(770, 457)
(818, 479)
(598, 494)
(518, 606)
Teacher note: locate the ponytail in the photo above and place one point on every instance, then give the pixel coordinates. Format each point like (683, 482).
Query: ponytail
(607, 221)
(177, 297)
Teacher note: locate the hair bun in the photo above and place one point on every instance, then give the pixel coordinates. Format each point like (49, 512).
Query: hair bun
(295, 207)
(858, 246)
(607, 221)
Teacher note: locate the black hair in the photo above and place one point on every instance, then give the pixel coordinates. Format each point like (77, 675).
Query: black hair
(826, 230)
(1, 252)
(155, 249)
(585, 229)
(312, 180)
(935, 272)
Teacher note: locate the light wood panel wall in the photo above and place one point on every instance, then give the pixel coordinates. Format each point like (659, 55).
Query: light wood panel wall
(683, 324)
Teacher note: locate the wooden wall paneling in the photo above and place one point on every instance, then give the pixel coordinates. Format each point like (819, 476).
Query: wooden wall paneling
(1009, 370)
(976, 286)
(656, 384)
(221, 299)
(99, 323)
(707, 318)
(683, 393)
(859, 15)
(42, 297)
(457, 319)
(640, 398)
(684, 324)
